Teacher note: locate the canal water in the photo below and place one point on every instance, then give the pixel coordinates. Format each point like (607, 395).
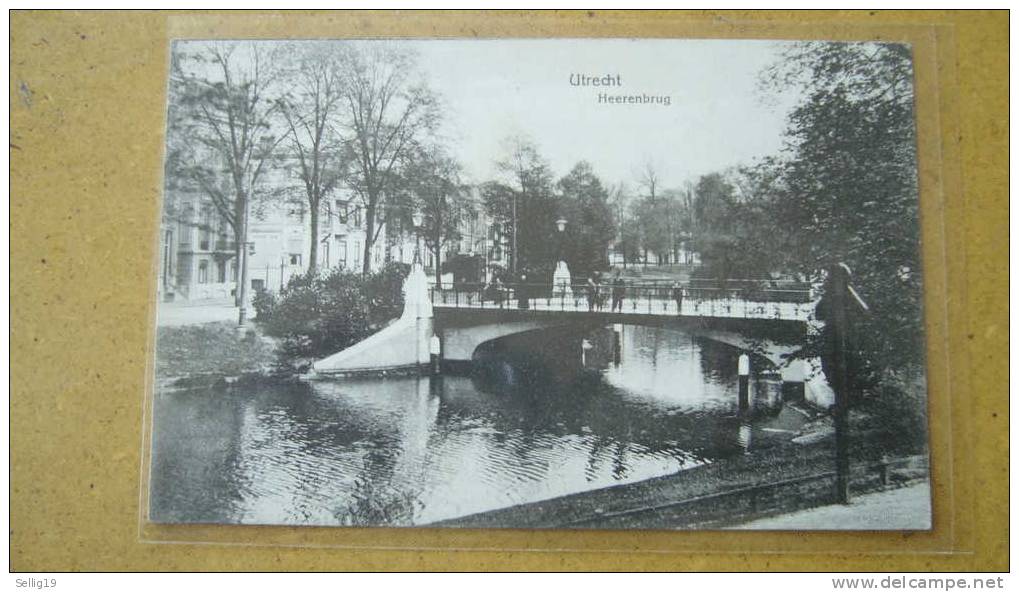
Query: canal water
(537, 416)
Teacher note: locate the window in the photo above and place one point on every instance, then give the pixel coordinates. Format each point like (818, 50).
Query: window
(295, 259)
(357, 251)
(221, 272)
(257, 285)
(342, 248)
(203, 272)
(206, 226)
(357, 217)
(185, 225)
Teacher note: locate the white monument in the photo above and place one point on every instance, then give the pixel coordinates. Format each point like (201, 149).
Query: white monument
(562, 283)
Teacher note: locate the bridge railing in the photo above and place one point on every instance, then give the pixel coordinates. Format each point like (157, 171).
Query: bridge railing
(760, 303)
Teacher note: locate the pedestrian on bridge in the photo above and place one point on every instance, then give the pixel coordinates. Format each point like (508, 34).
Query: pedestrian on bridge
(618, 292)
(523, 296)
(592, 293)
(677, 295)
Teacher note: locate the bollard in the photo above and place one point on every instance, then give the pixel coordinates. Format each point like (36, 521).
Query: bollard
(617, 344)
(434, 350)
(744, 383)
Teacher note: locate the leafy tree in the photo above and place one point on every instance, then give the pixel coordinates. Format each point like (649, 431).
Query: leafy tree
(716, 211)
(523, 204)
(222, 90)
(387, 115)
(431, 180)
(584, 202)
(318, 316)
(309, 104)
(847, 189)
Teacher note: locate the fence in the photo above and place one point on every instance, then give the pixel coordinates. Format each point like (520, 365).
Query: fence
(273, 277)
(646, 298)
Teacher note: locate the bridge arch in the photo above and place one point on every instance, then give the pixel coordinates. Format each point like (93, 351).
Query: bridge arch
(462, 332)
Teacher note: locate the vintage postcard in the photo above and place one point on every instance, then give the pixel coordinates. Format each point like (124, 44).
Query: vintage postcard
(540, 283)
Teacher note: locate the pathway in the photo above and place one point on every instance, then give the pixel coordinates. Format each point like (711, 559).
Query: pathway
(906, 508)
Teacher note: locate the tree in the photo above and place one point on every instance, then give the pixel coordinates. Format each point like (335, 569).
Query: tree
(432, 179)
(619, 200)
(309, 107)
(386, 116)
(523, 204)
(848, 186)
(223, 90)
(584, 202)
(649, 179)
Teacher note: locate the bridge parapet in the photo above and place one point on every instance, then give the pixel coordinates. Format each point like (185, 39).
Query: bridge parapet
(657, 300)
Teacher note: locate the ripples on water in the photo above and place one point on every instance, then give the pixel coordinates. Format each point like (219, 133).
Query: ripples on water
(415, 450)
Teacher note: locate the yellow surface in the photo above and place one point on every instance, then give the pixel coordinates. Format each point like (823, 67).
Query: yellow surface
(87, 113)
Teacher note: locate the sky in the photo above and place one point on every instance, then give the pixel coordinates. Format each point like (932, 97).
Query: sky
(494, 89)
(716, 118)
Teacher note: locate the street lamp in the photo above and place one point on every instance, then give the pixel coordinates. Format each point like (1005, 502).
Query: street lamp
(417, 218)
(561, 226)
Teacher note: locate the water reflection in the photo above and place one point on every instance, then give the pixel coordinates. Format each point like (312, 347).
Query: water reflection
(540, 418)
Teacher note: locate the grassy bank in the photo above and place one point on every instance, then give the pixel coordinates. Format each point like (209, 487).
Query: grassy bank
(211, 349)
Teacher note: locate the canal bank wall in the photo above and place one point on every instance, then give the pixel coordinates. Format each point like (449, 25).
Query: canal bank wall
(718, 495)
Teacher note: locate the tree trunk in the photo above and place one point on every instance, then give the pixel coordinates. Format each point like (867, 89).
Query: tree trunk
(239, 247)
(438, 263)
(313, 254)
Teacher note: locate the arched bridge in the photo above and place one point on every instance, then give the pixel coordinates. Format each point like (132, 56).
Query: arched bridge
(771, 319)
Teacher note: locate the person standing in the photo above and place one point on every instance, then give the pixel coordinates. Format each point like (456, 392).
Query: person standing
(677, 295)
(522, 292)
(592, 293)
(618, 291)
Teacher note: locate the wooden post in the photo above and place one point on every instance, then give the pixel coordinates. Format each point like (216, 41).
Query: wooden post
(435, 352)
(838, 286)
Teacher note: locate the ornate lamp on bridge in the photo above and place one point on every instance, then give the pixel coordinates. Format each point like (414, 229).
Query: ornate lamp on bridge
(561, 280)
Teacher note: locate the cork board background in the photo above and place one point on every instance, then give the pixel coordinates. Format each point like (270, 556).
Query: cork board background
(87, 92)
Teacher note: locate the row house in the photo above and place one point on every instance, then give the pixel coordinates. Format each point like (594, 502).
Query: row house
(198, 255)
(197, 251)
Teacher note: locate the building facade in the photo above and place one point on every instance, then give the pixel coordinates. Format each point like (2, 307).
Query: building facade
(198, 254)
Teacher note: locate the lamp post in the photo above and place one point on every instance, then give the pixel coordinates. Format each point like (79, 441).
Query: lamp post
(417, 218)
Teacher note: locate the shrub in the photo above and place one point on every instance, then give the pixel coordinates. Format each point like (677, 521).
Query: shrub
(264, 303)
(317, 316)
(383, 291)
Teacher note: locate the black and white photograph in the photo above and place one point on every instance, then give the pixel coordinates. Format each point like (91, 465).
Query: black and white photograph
(661, 284)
